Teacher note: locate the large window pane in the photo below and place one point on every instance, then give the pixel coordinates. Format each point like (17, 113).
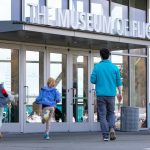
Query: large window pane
(79, 5)
(57, 4)
(138, 10)
(138, 87)
(28, 7)
(34, 81)
(100, 7)
(119, 9)
(9, 75)
(123, 65)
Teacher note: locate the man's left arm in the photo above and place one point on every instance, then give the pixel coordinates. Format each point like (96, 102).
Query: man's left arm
(93, 76)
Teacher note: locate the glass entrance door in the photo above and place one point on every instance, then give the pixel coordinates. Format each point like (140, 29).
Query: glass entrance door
(95, 125)
(58, 71)
(34, 68)
(9, 77)
(70, 69)
(79, 83)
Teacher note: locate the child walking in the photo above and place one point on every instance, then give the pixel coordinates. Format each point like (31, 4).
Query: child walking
(48, 97)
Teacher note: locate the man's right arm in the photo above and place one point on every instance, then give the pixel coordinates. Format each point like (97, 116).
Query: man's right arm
(119, 95)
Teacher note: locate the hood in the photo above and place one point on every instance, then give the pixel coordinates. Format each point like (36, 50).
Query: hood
(48, 88)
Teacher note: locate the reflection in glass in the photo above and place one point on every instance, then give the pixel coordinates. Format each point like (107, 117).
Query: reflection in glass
(141, 51)
(34, 81)
(80, 89)
(58, 71)
(57, 4)
(27, 8)
(138, 10)
(119, 10)
(123, 65)
(79, 5)
(100, 7)
(138, 87)
(9, 75)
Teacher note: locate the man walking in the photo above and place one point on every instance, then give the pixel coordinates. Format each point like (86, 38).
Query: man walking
(106, 77)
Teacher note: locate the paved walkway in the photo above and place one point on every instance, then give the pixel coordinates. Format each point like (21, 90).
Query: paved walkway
(75, 141)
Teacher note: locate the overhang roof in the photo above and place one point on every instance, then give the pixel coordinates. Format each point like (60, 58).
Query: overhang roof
(43, 34)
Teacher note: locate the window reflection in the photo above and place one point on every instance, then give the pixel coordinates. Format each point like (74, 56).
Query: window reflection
(100, 7)
(57, 4)
(141, 51)
(119, 9)
(79, 5)
(138, 10)
(138, 87)
(27, 7)
(34, 81)
(122, 63)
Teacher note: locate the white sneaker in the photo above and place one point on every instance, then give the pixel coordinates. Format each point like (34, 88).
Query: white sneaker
(106, 139)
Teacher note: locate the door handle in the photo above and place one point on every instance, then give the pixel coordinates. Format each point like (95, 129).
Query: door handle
(27, 94)
(74, 93)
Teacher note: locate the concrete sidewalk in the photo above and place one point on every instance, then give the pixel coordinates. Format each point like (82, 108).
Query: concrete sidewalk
(75, 141)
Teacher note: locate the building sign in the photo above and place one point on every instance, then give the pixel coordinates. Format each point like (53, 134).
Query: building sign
(88, 22)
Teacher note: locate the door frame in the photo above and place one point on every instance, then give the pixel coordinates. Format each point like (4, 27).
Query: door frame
(7, 127)
(79, 126)
(95, 126)
(61, 126)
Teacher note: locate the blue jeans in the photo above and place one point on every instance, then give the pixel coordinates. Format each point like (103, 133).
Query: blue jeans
(106, 107)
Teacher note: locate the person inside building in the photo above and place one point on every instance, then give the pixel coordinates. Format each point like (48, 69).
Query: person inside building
(48, 97)
(106, 77)
(4, 100)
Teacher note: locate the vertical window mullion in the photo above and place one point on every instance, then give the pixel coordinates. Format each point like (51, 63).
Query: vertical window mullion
(89, 6)
(109, 7)
(129, 73)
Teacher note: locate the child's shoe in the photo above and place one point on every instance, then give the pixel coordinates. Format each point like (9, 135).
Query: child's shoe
(43, 120)
(46, 137)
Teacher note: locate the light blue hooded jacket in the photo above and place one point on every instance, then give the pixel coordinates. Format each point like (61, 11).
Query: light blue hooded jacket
(106, 76)
(48, 96)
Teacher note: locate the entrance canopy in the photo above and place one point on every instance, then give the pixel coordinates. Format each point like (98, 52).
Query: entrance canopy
(34, 33)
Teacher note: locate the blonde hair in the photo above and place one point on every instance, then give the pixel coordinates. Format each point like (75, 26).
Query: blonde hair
(51, 82)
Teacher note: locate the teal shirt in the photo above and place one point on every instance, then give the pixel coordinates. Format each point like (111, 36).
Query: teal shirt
(106, 77)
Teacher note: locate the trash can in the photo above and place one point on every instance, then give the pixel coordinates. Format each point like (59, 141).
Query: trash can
(129, 119)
